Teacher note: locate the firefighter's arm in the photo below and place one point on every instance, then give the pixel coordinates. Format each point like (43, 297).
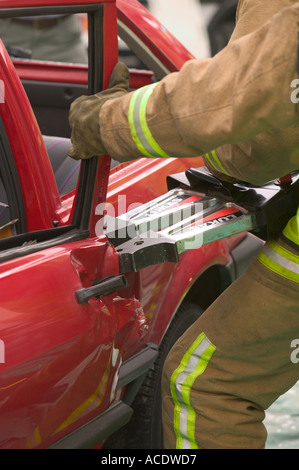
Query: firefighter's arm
(241, 92)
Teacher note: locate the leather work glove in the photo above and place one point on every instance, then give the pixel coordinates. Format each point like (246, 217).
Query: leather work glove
(84, 116)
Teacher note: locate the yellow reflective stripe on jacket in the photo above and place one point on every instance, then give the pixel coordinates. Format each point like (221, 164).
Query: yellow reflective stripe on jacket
(215, 162)
(291, 230)
(280, 260)
(193, 364)
(140, 131)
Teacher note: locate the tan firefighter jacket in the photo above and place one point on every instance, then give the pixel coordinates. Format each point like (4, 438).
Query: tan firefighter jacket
(238, 109)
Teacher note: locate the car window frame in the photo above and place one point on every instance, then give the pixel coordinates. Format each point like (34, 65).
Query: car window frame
(78, 229)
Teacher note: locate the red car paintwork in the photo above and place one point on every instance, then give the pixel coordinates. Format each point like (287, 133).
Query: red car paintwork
(62, 358)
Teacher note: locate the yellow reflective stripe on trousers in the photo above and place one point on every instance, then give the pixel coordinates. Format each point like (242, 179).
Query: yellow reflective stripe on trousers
(280, 260)
(140, 131)
(193, 364)
(215, 162)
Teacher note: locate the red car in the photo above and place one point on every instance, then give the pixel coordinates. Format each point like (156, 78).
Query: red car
(83, 335)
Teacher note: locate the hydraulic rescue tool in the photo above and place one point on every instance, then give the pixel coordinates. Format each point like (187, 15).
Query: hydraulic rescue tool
(199, 209)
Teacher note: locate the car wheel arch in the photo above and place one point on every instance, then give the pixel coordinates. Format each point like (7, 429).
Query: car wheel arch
(201, 292)
(209, 285)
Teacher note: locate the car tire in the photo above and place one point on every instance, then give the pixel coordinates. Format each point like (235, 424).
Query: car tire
(144, 431)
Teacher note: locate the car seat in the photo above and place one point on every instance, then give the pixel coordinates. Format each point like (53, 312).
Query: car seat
(66, 170)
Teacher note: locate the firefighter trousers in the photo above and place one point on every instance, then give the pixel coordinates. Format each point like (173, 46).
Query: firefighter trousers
(236, 360)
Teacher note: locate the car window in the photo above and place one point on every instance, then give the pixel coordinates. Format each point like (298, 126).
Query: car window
(8, 224)
(129, 57)
(71, 202)
(54, 37)
(66, 170)
(5, 217)
(12, 211)
(137, 54)
(64, 38)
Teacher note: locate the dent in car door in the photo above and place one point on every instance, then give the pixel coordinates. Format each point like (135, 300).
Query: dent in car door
(62, 357)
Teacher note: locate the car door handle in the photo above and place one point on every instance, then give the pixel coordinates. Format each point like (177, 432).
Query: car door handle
(104, 287)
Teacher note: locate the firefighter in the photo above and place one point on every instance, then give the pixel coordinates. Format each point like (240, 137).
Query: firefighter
(240, 110)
